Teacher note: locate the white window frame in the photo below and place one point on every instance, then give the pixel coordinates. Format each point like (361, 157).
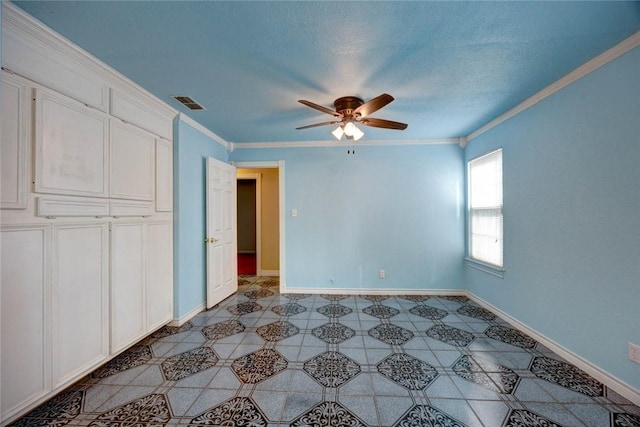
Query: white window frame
(491, 263)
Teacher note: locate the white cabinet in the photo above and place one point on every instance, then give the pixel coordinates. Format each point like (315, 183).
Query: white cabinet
(159, 290)
(80, 299)
(128, 317)
(141, 280)
(73, 295)
(26, 349)
(72, 147)
(55, 304)
(86, 251)
(14, 143)
(132, 162)
(164, 176)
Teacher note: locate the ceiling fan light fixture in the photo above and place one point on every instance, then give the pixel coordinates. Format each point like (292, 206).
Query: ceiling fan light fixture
(350, 129)
(357, 133)
(338, 132)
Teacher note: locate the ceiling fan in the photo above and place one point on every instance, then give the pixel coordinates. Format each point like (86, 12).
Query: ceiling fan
(350, 110)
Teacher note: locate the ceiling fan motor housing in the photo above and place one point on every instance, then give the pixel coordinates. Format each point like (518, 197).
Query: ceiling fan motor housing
(347, 104)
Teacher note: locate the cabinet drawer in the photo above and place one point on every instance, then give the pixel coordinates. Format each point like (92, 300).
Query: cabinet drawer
(73, 208)
(124, 208)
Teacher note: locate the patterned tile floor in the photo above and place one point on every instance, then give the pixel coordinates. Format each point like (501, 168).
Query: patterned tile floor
(264, 359)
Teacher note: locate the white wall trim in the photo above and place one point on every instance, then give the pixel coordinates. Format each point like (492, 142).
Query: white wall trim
(614, 383)
(255, 165)
(360, 291)
(336, 143)
(282, 225)
(604, 58)
(184, 319)
(197, 126)
(268, 273)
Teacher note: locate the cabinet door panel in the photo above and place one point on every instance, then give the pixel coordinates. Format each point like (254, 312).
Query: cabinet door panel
(15, 144)
(72, 155)
(137, 110)
(80, 299)
(164, 176)
(132, 162)
(25, 370)
(159, 274)
(127, 284)
(71, 147)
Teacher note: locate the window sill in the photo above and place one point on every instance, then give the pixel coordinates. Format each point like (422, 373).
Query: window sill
(487, 268)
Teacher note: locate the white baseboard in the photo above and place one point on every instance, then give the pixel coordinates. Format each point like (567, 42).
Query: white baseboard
(184, 319)
(356, 291)
(268, 272)
(614, 383)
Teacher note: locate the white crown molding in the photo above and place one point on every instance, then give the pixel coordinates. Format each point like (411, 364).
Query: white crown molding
(38, 34)
(335, 143)
(604, 58)
(614, 383)
(188, 120)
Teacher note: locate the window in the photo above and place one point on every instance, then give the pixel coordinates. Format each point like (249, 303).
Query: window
(485, 209)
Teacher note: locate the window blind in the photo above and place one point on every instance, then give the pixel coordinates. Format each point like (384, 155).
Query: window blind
(485, 209)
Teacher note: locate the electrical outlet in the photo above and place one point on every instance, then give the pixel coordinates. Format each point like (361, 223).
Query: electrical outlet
(381, 274)
(634, 352)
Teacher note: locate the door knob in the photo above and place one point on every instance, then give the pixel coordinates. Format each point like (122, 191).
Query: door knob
(210, 240)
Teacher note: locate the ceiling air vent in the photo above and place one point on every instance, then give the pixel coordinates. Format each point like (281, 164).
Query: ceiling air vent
(188, 102)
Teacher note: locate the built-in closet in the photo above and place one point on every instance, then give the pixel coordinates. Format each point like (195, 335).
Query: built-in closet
(86, 222)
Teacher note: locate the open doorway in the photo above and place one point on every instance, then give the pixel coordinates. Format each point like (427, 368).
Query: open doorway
(259, 219)
(248, 211)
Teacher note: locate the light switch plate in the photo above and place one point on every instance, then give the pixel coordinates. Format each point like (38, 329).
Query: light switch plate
(634, 352)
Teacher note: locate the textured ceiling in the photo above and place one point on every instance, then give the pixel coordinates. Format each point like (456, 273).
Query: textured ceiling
(452, 66)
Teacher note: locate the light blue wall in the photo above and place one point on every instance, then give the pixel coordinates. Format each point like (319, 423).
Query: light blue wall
(572, 234)
(572, 217)
(399, 208)
(190, 150)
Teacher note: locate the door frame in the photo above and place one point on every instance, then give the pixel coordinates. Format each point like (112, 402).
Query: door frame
(277, 164)
(258, 182)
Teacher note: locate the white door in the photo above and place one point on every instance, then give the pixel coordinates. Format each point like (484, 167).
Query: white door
(128, 309)
(80, 300)
(25, 337)
(159, 274)
(221, 238)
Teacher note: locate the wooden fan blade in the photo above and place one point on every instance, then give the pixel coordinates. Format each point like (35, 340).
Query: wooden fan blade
(381, 123)
(318, 124)
(373, 105)
(319, 107)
